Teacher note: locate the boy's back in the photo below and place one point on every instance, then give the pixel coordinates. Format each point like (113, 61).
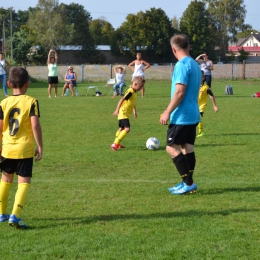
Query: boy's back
(18, 140)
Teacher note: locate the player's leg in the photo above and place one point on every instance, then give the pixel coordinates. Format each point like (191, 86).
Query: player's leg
(24, 172)
(49, 90)
(64, 89)
(56, 90)
(5, 186)
(121, 87)
(142, 91)
(175, 136)
(4, 85)
(200, 126)
(71, 89)
(124, 124)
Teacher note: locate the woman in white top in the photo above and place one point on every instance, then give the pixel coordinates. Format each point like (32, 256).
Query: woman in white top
(139, 67)
(3, 64)
(120, 81)
(206, 66)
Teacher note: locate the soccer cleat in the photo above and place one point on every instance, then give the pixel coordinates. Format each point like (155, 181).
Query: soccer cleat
(185, 189)
(4, 217)
(120, 146)
(176, 187)
(114, 146)
(16, 222)
(200, 134)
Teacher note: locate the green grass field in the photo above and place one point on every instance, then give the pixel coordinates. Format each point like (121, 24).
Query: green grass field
(88, 202)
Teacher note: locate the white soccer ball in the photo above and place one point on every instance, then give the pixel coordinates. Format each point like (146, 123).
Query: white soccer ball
(152, 143)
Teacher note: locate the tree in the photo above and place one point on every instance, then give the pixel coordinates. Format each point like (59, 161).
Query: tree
(21, 46)
(246, 31)
(101, 31)
(148, 32)
(175, 23)
(242, 54)
(228, 16)
(196, 24)
(46, 25)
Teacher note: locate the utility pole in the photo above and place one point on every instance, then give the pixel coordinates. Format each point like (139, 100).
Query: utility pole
(3, 38)
(11, 31)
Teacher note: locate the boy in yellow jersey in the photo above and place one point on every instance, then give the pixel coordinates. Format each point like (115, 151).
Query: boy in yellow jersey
(203, 99)
(124, 109)
(19, 126)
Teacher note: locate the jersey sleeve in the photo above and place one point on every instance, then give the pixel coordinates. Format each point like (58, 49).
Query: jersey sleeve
(128, 94)
(35, 110)
(1, 113)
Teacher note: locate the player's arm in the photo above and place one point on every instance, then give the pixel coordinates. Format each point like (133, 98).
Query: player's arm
(49, 57)
(174, 103)
(118, 106)
(1, 135)
(209, 92)
(199, 57)
(147, 65)
(131, 64)
(37, 132)
(75, 76)
(134, 112)
(211, 66)
(124, 70)
(56, 56)
(8, 65)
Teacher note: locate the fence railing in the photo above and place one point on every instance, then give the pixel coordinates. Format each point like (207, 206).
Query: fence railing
(100, 73)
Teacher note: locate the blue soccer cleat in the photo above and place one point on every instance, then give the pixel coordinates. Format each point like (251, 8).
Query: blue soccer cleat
(16, 222)
(4, 217)
(185, 189)
(176, 187)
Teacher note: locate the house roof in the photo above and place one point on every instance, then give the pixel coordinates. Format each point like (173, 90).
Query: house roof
(243, 40)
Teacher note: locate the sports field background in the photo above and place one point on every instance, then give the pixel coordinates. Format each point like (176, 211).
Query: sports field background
(88, 202)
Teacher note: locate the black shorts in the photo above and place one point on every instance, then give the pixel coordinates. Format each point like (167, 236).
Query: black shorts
(124, 123)
(181, 134)
(53, 80)
(22, 167)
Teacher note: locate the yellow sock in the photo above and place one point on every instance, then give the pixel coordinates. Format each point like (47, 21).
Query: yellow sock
(4, 194)
(20, 198)
(117, 133)
(200, 125)
(120, 137)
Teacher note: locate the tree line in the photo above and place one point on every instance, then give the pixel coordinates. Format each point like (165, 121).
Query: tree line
(209, 24)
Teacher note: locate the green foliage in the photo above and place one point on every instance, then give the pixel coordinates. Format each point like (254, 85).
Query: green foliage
(229, 17)
(242, 54)
(197, 25)
(88, 202)
(148, 32)
(101, 31)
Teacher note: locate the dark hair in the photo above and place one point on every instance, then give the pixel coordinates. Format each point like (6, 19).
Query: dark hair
(18, 77)
(180, 41)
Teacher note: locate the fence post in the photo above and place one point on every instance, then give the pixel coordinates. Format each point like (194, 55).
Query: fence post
(82, 72)
(243, 70)
(111, 71)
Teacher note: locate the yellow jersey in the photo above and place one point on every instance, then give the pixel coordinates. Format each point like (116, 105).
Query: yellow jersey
(128, 104)
(203, 96)
(18, 139)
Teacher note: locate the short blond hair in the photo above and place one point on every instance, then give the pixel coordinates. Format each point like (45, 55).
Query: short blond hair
(139, 79)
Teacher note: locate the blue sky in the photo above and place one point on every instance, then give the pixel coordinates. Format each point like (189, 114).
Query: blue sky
(115, 11)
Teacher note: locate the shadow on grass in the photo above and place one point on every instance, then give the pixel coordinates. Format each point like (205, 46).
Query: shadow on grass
(102, 219)
(228, 190)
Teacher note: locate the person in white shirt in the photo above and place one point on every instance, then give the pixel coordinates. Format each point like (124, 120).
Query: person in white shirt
(139, 67)
(206, 66)
(4, 66)
(120, 81)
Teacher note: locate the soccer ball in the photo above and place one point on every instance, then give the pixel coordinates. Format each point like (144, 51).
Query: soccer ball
(152, 143)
